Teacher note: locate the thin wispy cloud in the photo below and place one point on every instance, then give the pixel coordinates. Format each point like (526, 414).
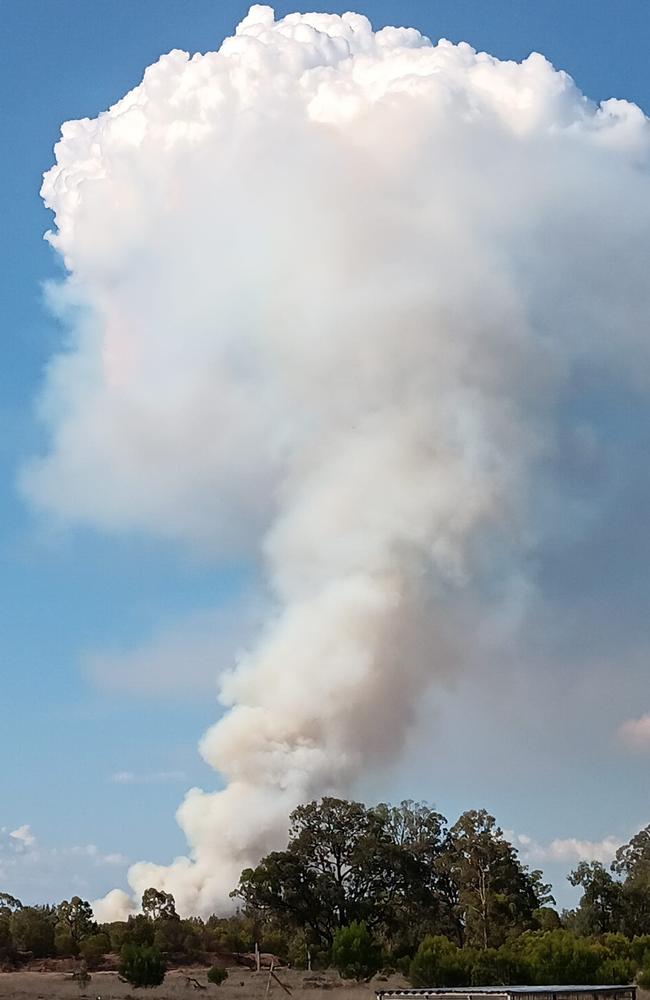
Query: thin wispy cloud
(28, 862)
(180, 659)
(151, 778)
(93, 852)
(23, 835)
(634, 734)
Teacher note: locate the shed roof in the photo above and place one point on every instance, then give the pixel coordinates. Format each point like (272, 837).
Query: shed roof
(509, 990)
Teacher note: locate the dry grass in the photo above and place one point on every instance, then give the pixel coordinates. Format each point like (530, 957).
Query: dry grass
(242, 984)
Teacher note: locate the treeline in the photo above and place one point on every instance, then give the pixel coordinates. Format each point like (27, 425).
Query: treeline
(388, 887)
(69, 931)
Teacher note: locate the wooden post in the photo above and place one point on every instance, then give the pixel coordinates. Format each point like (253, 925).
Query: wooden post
(285, 988)
(257, 957)
(309, 960)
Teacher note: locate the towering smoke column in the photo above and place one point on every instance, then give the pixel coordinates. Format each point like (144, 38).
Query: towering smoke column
(333, 296)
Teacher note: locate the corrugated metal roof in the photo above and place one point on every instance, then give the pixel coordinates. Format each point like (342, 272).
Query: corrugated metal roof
(510, 990)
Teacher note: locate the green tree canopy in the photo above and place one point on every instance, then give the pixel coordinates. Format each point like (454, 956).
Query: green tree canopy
(497, 895)
(399, 871)
(601, 906)
(74, 919)
(633, 859)
(9, 904)
(158, 905)
(347, 863)
(327, 876)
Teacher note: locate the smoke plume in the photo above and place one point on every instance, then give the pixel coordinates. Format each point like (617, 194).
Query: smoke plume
(334, 298)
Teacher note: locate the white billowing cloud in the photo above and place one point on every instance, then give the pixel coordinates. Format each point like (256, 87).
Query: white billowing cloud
(334, 298)
(567, 849)
(115, 905)
(635, 733)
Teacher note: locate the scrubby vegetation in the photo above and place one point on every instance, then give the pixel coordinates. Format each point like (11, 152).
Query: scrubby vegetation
(535, 957)
(142, 965)
(354, 952)
(364, 888)
(217, 974)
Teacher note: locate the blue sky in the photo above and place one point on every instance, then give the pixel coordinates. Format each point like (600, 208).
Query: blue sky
(71, 597)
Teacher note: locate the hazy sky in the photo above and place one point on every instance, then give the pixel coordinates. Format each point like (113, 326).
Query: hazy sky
(106, 642)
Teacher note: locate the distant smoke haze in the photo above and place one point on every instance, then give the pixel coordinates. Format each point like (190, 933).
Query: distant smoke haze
(148, 778)
(634, 734)
(335, 298)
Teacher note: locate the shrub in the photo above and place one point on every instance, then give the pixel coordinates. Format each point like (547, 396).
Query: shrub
(303, 953)
(217, 975)
(117, 933)
(142, 965)
(562, 957)
(170, 938)
(64, 942)
(640, 949)
(547, 919)
(355, 954)
(274, 941)
(514, 966)
(403, 965)
(297, 950)
(94, 948)
(139, 930)
(7, 949)
(230, 933)
(643, 979)
(616, 971)
(438, 962)
(484, 967)
(32, 929)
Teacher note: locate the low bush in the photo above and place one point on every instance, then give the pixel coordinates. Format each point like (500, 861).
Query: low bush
(142, 965)
(92, 949)
(355, 954)
(438, 962)
(217, 975)
(643, 979)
